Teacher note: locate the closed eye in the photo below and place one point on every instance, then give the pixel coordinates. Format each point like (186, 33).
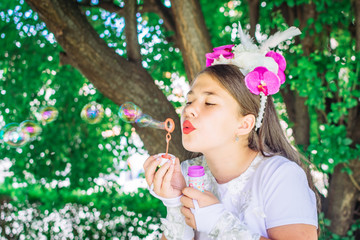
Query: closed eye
(210, 104)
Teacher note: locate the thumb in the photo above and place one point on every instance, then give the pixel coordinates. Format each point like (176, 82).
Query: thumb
(177, 164)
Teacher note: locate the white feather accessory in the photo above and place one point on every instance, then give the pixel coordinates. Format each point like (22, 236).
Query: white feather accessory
(246, 40)
(279, 37)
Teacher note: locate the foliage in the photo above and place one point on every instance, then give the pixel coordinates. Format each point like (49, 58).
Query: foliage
(59, 172)
(58, 175)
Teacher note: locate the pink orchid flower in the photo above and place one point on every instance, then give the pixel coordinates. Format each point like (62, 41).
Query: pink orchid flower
(280, 60)
(218, 51)
(262, 80)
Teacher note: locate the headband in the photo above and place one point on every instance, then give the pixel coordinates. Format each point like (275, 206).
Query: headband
(263, 69)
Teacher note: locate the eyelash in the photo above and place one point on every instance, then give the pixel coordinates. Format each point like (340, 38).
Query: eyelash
(208, 104)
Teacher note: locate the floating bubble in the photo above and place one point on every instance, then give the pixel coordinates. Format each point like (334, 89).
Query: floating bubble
(129, 112)
(32, 128)
(48, 114)
(147, 121)
(92, 113)
(144, 120)
(14, 136)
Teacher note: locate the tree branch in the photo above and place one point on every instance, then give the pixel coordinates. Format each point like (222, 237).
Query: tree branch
(254, 15)
(132, 43)
(106, 5)
(189, 21)
(155, 6)
(164, 13)
(353, 130)
(115, 77)
(357, 24)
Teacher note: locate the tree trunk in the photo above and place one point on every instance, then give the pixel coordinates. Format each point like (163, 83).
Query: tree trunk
(343, 194)
(254, 8)
(297, 111)
(342, 197)
(115, 77)
(192, 36)
(299, 115)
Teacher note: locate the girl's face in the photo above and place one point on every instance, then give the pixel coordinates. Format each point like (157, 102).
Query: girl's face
(211, 116)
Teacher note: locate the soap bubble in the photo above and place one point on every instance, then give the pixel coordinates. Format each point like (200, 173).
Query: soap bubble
(92, 113)
(14, 136)
(48, 114)
(129, 112)
(32, 128)
(144, 120)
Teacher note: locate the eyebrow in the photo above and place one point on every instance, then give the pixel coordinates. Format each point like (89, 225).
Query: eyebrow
(208, 93)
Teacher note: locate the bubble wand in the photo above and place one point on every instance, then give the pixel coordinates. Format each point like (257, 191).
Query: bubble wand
(169, 127)
(131, 113)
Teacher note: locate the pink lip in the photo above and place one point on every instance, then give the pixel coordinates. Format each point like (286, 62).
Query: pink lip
(188, 127)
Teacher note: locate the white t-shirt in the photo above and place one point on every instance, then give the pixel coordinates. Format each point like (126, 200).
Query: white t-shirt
(272, 192)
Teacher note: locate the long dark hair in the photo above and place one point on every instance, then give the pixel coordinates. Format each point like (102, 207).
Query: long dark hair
(270, 138)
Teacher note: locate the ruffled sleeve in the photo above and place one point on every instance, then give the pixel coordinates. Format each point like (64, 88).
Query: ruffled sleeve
(230, 227)
(174, 226)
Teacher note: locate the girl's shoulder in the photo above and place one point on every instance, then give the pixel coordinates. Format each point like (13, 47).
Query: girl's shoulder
(278, 169)
(277, 163)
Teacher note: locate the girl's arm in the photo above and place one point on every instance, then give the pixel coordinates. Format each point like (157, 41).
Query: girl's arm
(230, 227)
(293, 231)
(166, 184)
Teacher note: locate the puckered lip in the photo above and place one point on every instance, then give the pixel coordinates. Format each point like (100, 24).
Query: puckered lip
(188, 127)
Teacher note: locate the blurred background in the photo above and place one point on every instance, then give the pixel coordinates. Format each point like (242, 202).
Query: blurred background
(71, 168)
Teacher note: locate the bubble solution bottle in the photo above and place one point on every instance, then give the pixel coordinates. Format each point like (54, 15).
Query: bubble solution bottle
(196, 177)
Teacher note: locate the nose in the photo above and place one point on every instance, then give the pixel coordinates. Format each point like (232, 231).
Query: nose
(190, 111)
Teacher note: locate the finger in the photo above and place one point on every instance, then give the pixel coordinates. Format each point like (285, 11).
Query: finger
(168, 176)
(177, 165)
(150, 171)
(208, 193)
(159, 176)
(177, 162)
(187, 202)
(193, 193)
(186, 212)
(148, 161)
(191, 222)
(189, 217)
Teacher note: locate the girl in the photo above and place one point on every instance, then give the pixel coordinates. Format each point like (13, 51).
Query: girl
(255, 185)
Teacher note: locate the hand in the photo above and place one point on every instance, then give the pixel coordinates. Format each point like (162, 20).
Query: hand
(204, 199)
(168, 180)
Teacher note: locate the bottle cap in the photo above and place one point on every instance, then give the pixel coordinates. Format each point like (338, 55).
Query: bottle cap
(196, 171)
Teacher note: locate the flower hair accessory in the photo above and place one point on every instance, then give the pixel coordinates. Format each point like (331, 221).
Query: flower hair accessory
(263, 69)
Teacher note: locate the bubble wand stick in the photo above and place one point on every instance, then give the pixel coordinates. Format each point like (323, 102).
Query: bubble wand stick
(131, 113)
(169, 126)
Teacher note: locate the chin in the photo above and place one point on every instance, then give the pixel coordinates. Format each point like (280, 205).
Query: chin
(191, 147)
